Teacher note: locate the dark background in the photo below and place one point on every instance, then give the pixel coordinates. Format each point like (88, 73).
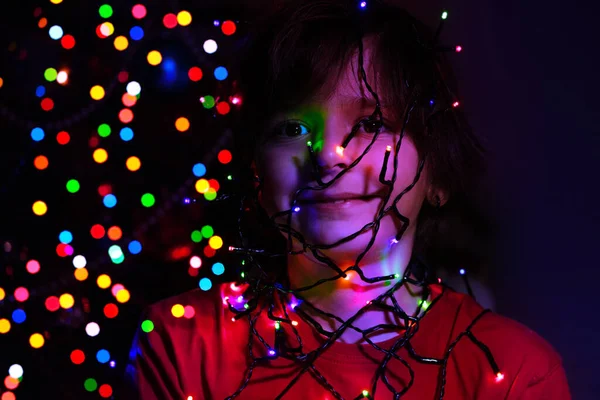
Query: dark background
(528, 81)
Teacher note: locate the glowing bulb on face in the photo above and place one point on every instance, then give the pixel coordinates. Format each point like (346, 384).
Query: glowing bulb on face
(339, 150)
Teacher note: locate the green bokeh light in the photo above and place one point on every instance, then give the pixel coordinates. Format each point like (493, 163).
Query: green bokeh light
(105, 11)
(50, 74)
(147, 326)
(104, 130)
(207, 231)
(196, 236)
(209, 102)
(148, 200)
(73, 186)
(90, 384)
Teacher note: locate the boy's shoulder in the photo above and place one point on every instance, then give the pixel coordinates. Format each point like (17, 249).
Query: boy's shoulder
(191, 307)
(511, 342)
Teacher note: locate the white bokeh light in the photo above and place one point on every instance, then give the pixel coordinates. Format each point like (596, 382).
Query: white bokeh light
(210, 46)
(79, 262)
(92, 329)
(134, 88)
(15, 371)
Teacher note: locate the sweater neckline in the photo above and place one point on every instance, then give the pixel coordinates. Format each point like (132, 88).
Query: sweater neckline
(365, 353)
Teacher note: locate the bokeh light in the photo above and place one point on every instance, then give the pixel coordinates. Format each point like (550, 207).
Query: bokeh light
(39, 208)
(36, 340)
(228, 28)
(182, 124)
(210, 46)
(97, 92)
(184, 18)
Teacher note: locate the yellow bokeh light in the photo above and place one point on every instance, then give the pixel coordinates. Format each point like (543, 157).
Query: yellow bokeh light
(4, 325)
(1, 82)
(123, 296)
(154, 58)
(202, 185)
(97, 92)
(36, 340)
(56, 1)
(2, 294)
(215, 242)
(103, 281)
(100, 156)
(133, 163)
(39, 208)
(121, 43)
(107, 29)
(81, 274)
(66, 301)
(184, 18)
(182, 124)
(177, 310)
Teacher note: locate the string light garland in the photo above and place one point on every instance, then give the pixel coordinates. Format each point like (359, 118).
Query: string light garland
(262, 293)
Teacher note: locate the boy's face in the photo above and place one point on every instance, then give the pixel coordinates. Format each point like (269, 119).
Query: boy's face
(284, 164)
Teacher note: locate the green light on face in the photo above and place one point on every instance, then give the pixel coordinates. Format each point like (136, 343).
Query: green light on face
(229, 177)
(243, 275)
(365, 393)
(276, 325)
(246, 306)
(397, 276)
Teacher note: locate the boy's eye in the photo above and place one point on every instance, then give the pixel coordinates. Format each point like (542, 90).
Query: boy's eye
(291, 129)
(371, 125)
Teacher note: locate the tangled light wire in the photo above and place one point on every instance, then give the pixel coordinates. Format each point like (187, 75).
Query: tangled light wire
(263, 293)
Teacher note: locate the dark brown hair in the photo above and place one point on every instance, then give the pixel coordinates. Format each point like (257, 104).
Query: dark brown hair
(295, 50)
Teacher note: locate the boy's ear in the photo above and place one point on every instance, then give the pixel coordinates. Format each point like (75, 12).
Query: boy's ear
(434, 193)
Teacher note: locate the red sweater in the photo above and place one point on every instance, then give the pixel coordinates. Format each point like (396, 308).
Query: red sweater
(205, 356)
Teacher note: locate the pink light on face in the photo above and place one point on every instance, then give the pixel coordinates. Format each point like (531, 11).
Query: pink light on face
(240, 299)
(499, 377)
(339, 150)
(455, 104)
(225, 300)
(458, 49)
(234, 287)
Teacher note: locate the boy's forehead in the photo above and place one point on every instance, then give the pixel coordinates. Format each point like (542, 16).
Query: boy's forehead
(350, 89)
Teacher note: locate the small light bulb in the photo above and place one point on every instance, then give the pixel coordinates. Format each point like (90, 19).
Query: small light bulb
(339, 150)
(296, 209)
(499, 377)
(455, 104)
(277, 325)
(363, 4)
(445, 15)
(272, 352)
(365, 393)
(295, 323)
(458, 49)
(461, 271)
(388, 148)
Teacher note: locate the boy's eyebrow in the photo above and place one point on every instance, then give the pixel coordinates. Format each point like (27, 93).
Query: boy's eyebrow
(362, 102)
